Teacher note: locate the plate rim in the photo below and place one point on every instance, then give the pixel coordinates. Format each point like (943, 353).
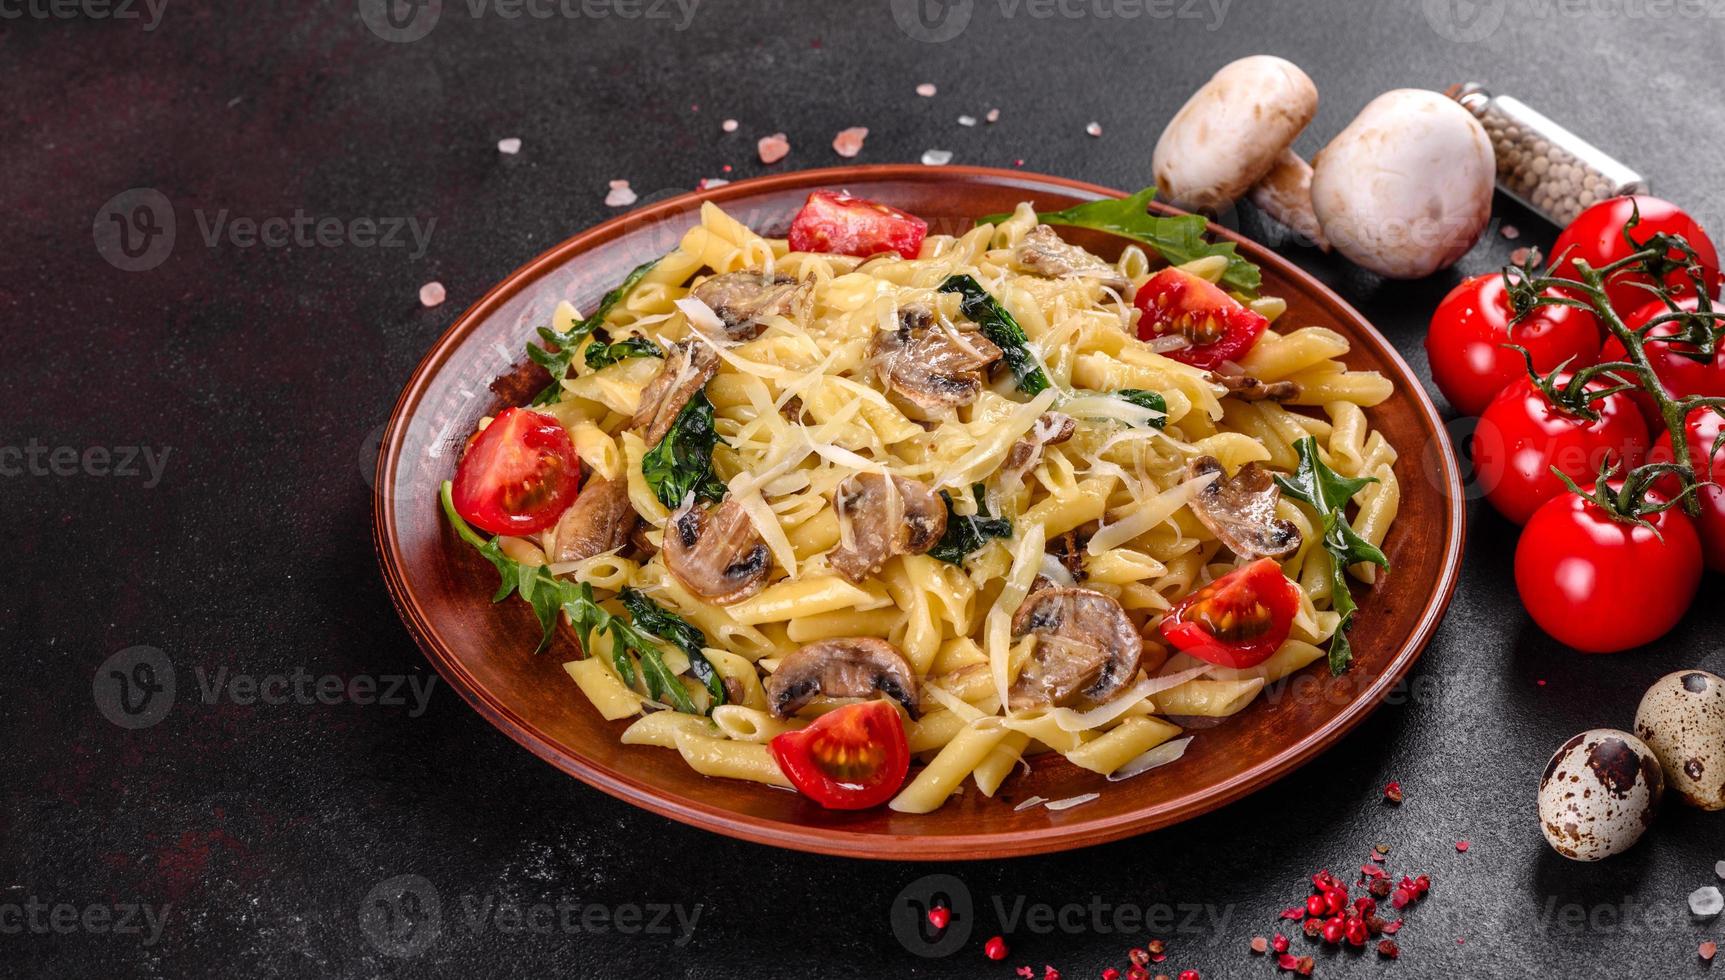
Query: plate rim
(837, 841)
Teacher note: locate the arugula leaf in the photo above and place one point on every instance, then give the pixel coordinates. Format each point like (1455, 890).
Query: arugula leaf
(966, 534)
(1327, 493)
(548, 594)
(1000, 327)
(1179, 238)
(562, 350)
(1145, 398)
(683, 460)
(670, 627)
(602, 352)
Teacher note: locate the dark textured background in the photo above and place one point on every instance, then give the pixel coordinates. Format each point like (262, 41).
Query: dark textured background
(265, 373)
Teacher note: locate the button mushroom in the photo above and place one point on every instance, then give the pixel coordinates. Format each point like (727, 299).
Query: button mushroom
(1086, 648)
(1051, 429)
(881, 516)
(601, 519)
(716, 554)
(741, 300)
(1241, 512)
(934, 367)
(688, 368)
(1235, 135)
(1405, 189)
(1250, 389)
(846, 667)
(1042, 252)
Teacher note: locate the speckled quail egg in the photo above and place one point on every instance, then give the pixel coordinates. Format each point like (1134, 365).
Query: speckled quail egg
(1599, 793)
(1682, 719)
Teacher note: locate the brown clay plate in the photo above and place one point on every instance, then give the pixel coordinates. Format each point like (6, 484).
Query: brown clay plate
(485, 652)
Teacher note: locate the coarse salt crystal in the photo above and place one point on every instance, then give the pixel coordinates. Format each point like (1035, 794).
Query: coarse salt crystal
(511, 145)
(993, 115)
(1510, 232)
(1094, 129)
(1706, 901)
(432, 294)
(729, 125)
(937, 158)
(1708, 950)
(926, 90)
(849, 142)
(1719, 869)
(620, 196)
(967, 120)
(773, 148)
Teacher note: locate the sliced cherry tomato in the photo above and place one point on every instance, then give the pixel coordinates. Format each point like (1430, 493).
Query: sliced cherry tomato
(851, 758)
(840, 224)
(519, 475)
(1520, 437)
(1596, 236)
(1215, 324)
(1700, 431)
(1237, 620)
(1679, 372)
(1469, 331)
(1602, 585)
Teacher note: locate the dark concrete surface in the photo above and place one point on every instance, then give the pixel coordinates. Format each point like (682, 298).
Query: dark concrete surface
(269, 839)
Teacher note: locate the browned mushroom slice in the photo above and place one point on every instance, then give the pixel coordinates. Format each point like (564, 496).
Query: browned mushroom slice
(743, 299)
(716, 554)
(1051, 429)
(1250, 389)
(1241, 512)
(1042, 252)
(845, 667)
(884, 517)
(601, 519)
(688, 368)
(1086, 648)
(931, 366)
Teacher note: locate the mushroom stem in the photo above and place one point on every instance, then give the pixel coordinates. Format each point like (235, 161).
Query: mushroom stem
(1285, 194)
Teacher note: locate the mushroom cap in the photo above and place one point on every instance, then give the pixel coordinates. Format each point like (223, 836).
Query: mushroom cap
(931, 367)
(843, 667)
(1229, 133)
(688, 368)
(886, 516)
(601, 519)
(1087, 648)
(1241, 510)
(717, 555)
(1405, 189)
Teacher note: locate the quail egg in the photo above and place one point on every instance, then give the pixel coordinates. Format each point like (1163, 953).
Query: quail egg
(1682, 719)
(1599, 793)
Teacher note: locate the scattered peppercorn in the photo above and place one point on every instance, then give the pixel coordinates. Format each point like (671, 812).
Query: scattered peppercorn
(1156, 947)
(1188, 975)
(995, 949)
(1110, 974)
(1313, 927)
(939, 916)
(1280, 943)
(1137, 956)
(1304, 965)
(1393, 792)
(1388, 948)
(1137, 973)
(1380, 887)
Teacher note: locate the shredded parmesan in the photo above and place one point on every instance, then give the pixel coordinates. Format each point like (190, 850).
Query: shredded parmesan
(1147, 514)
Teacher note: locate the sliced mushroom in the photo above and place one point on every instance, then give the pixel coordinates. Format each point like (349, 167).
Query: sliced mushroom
(1042, 252)
(1068, 549)
(845, 667)
(1051, 429)
(1250, 389)
(1241, 512)
(601, 519)
(716, 554)
(743, 299)
(1086, 648)
(884, 517)
(688, 368)
(934, 367)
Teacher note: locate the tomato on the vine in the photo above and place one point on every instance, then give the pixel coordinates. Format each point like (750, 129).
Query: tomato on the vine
(1701, 431)
(1596, 236)
(1216, 326)
(1521, 436)
(1679, 373)
(850, 758)
(1237, 620)
(840, 224)
(1600, 584)
(1467, 340)
(519, 475)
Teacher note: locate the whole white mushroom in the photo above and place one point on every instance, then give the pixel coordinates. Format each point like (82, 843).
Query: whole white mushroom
(1405, 189)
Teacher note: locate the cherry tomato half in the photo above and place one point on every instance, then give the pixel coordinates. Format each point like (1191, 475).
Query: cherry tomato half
(1520, 437)
(1679, 373)
(1237, 620)
(1217, 325)
(1700, 431)
(519, 475)
(1596, 235)
(840, 224)
(1601, 585)
(1469, 331)
(850, 758)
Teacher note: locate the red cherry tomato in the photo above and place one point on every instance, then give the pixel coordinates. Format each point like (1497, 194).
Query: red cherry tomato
(851, 758)
(1601, 585)
(1596, 235)
(1700, 431)
(844, 225)
(519, 475)
(1520, 437)
(1471, 326)
(1678, 373)
(1217, 325)
(1237, 620)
